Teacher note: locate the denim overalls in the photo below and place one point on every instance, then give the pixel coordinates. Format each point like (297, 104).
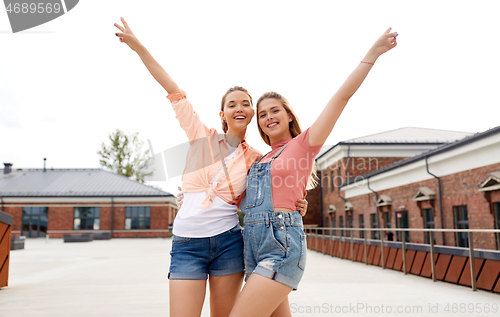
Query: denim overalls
(274, 242)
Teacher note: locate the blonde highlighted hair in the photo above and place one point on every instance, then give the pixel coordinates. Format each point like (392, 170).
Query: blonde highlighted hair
(294, 127)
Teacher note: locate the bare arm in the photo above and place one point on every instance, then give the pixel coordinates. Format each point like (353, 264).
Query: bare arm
(322, 127)
(161, 76)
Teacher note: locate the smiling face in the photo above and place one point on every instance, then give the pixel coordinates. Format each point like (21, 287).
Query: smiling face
(237, 112)
(274, 120)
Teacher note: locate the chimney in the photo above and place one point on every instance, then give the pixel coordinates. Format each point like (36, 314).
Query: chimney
(44, 160)
(7, 168)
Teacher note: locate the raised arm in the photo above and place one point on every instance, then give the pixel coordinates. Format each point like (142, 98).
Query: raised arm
(322, 127)
(152, 65)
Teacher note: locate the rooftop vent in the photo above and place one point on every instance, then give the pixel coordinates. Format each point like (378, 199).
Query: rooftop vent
(7, 168)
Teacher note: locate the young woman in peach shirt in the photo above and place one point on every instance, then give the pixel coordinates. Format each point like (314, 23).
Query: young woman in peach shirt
(207, 240)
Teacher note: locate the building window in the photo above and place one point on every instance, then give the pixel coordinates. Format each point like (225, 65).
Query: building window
(324, 183)
(331, 182)
(339, 177)
(35, 221)
(402, 223)
(334, 224)
(429, 224)
(137, 217)
(86, 218)
(349, 224)
(341, 223)
(373, 221)
(361, 225)
(387, 219)
(497, 217)
(461, 222)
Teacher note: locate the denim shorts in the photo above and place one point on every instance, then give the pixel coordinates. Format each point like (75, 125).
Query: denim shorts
(196, 258)
(275, 246)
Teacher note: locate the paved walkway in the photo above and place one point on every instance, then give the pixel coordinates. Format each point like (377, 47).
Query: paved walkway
(127, 277)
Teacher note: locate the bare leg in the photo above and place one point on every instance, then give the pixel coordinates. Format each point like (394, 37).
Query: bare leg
(260, 297)
(186, 297)
(283, 309)
(223, 293)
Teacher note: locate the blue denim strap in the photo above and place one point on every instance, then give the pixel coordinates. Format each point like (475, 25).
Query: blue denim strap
(262, 158)
(279, 152)
(275, 155)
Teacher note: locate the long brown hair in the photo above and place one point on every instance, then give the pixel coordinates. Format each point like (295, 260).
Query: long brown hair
(230, 90)
(293, 126)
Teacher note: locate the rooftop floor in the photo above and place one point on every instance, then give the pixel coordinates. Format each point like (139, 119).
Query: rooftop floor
(127, 277)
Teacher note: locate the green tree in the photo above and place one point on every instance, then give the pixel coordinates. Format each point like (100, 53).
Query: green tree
(241, 216)
(125, 155)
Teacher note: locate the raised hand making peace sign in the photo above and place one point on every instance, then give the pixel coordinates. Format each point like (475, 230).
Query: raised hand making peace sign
(127, 36)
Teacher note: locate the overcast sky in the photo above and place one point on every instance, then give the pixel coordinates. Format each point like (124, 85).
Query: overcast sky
(65, 85)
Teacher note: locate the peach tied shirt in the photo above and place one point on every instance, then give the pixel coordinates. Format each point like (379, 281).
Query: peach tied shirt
(206, 156)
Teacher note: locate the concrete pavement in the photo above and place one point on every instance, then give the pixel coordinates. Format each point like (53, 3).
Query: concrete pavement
(127, 277)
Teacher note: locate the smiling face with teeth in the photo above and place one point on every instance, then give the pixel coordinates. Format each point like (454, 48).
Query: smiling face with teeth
(274, 120)
(237, 112)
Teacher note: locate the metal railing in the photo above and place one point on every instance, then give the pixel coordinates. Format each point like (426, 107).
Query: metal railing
(382, 232)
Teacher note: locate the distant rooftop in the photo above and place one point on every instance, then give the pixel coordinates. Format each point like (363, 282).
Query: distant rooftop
(473, 137)
(411, 135)
(72, 183)
(407, 135)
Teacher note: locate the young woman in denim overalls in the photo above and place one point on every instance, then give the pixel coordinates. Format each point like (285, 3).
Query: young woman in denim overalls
(275, 243)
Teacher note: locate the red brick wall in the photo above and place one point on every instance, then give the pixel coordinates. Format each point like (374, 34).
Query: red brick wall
(62, 217)
(356, 166)
(17, 214)
(495, 196)
(119, 218)
(104, 218)
(146, 234)
(457, 189)
(159, 217)
(462, 189)
(364, 205)
(363, 165)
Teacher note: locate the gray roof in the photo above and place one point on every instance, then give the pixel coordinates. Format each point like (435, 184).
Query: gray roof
(411, 135)
(72, 183)
(324, 149)
(440, 149)
(408, 135)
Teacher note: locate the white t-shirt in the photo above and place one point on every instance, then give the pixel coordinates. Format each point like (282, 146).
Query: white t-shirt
(195, 222)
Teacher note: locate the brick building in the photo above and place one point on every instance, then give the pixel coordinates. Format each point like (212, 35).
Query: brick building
(63, 201)
(414, 178)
